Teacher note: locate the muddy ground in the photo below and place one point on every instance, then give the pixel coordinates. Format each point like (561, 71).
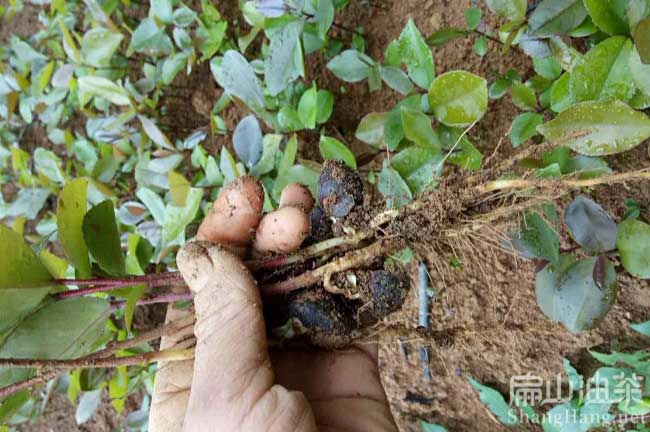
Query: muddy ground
(485, 322)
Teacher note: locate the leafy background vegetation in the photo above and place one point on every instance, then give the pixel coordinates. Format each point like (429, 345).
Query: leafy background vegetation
(116, 189)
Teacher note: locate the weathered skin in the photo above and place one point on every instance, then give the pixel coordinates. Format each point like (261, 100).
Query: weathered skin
(235, 383)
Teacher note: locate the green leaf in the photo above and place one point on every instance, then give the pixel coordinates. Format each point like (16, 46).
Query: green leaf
(236, 76)
(19, 267)
(566, 292)
(590, 225)
(151, 40)
(228, 166)
(458, 98)
(538, 238)
(324, 106)
(524, 127)
(289, 156)
(248, 140)
(561, 97)
(371, 129)
(523, 97)
(63, 329)
(604, 72)
(429, 427)
(394, 189)
(608, 15)
(103, 239)
(162, 9)
(48, 163)
(643, 328)
(307, 107)
(177, 218)
(154, 133)
(481, 46)
(135, 243)
(396, 79)
(92, 85)
(280, 66)
(633, 244)
(350, 66)
(98, 46)
(331, 148)
(513, 10)
(556, 17)
(445, 35)
(416, 55)
(324, 17)
(641, 37)
(419, 167)
(640, 72)
(71, 209)
(271, 147)
(469, 157)
(473, 17)
(495, 403)
(417, 128)
(88, 405)
(598, 128)
(575, 379)
(547, 67)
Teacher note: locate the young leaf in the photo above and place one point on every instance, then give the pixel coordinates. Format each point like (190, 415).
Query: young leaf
(98, 46)
(179, 188)
(598, 128)
(307, 107)
(151, 40)
(495, 403)
(279, 66)
(88, 404)
(576, 381)
(445, 35)
(547, 67)
(46, 162)
(371, 129)
(19, 267)
(633, 244)
(417, 128)
(524, 127)
(393, 188)
(561, 97)
(331, 148)
(419, 167)
(350, 66)
(248, 141)
(71, 209)
(324, 106)
(324, 17)
(538, 238)
(523, 97)
(640, 72)
(513, 10)
(236, 76)
(473, 17)
(396, 79)
(103, 239)
(556, 17)
(608, 15)
(458, 98)
(177, 218)
(604, 72)
(154, 133)
(590, 226)
(567, 293)
(417, 56)
(91, 85)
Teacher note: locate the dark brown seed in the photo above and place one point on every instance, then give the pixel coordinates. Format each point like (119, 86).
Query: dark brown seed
(339, 189)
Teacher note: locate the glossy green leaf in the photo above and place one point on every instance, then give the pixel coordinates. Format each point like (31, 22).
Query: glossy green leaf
(566, 292)
(524, 127)
(103, 239)
(604, 72)
(61, 330)
(19, 267)
(307, 107)
(324, 17)
(523, 97)
(473, 17)
(396, 79)
(98, 46)
(556, 17)
(270, 148)
(177, 218)
(514, 10)
(445, 35)
(418, 167)
(641, 35)
(331, 148)
(416, 55)
(350, 66)
(495, 402)
(92, 85)
(417, 128)
(598, 128)
(151, 40)
(71, 209)
(393, 188)
(608, 15)
(537, 238)
(458, 98)
(371, 129)
(324, 106)
(469, 157)
(633, 244)
(236, 76)
(575, 379)
(640, 72)
(561, 97)
(547, 67)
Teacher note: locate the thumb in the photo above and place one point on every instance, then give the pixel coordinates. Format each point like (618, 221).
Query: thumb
(232, 386)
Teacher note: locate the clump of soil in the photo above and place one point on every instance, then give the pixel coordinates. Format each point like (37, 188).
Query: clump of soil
(340, 189)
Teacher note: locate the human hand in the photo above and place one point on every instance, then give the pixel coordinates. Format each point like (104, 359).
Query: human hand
(235, 383)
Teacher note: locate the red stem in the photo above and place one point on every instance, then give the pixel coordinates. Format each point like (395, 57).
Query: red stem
(126, 281)
(170, 278)
(163, 298)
